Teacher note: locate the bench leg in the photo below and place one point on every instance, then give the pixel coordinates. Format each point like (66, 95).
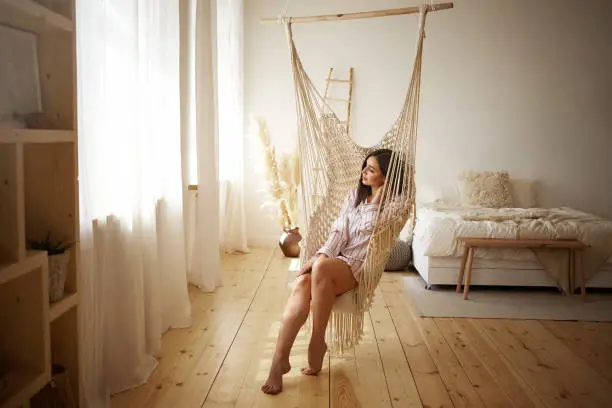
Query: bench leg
(578, 259)
(572, 271)
(576, 264)
(468, 272)
(462, 269)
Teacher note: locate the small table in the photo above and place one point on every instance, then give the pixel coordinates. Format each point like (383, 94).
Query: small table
(472, 243)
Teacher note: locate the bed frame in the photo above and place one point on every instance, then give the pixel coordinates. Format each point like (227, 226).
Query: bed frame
(485, 272)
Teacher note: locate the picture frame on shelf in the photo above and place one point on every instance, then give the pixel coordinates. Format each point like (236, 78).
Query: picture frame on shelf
(19, 73)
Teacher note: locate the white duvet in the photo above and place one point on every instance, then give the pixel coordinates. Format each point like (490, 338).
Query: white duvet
(438, 227)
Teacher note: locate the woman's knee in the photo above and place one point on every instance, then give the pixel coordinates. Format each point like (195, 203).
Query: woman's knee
(302, 289)
(302, 284)
(334, 273)
(322, 272)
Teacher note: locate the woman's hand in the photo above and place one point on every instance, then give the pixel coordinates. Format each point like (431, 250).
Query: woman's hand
(307, 267)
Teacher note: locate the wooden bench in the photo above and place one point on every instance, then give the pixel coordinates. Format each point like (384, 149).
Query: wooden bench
(472, 243)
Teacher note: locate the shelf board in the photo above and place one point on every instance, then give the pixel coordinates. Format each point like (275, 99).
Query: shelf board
(37, 135)
(21, 384)
(14, 270)
(62, 306)
(31, 16)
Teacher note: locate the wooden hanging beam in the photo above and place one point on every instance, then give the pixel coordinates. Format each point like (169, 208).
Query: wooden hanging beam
(359, 15)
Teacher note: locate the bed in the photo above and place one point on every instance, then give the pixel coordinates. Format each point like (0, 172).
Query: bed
(495, 205)
(436, 252)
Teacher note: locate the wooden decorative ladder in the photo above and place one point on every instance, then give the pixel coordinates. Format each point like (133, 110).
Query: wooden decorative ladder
(348, 101)
(318, 169)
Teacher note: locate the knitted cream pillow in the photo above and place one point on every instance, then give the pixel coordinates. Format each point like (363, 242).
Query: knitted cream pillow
(486, 189)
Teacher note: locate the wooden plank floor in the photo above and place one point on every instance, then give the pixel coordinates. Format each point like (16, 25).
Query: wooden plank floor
(404, 360)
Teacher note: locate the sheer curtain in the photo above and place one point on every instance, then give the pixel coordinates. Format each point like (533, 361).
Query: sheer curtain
(132, 244)
(200, 141)
(231, 124)
(211, 61)
(160, 107)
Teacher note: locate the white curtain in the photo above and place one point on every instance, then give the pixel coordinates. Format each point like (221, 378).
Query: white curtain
(231, 124)
(154, 117)
(211, 61)
(200, 141)
(132, 243)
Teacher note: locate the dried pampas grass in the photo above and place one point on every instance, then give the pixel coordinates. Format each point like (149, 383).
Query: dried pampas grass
(283, 177)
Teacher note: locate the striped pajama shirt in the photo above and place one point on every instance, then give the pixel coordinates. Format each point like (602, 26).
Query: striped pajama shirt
(350, 233)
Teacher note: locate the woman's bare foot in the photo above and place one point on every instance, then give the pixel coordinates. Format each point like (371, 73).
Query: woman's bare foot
(316, 353)
(274, 384)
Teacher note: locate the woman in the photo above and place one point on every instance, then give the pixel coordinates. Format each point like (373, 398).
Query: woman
(332, 272)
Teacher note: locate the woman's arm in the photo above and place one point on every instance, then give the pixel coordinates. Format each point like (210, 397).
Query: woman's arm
(370, 210)
(334, 244)
(337, 239)
(338, 236)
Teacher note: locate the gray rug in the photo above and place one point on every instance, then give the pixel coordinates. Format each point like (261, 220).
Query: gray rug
(508, 303)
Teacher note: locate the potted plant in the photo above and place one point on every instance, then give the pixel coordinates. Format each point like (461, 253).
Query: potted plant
(59, 258)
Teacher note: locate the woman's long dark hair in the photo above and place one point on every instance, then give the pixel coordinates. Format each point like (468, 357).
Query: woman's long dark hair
(383, 156)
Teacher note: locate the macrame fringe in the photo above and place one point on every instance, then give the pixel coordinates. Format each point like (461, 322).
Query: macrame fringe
(344, 331)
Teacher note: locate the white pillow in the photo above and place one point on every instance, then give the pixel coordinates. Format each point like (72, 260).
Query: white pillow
(486, 189)
(524, 193)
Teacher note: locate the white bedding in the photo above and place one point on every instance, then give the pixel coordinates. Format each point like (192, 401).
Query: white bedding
(438, 227)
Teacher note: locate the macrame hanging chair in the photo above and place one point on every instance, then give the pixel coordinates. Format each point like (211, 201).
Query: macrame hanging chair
(331, 166)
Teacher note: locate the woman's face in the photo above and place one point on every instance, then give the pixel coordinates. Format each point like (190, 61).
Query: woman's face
(371, 175)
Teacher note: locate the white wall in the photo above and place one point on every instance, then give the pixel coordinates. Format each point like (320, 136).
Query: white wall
(524, 86)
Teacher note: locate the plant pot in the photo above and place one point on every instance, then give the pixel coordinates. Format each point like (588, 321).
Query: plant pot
(58, 271)
(289, 242)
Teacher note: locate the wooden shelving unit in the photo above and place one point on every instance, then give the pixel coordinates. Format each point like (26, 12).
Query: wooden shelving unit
(37, 136)
(60, 307)
(29, 15)
(24, 345)
(38, 195)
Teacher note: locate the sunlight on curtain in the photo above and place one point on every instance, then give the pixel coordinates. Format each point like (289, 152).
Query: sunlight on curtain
(134, 284)
(229, 85)
(188, 20)
(212, 101)
(198, 110)
(231, 135)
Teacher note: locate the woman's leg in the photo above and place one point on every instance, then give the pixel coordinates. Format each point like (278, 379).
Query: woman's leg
(330, 278)
(294, 317)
